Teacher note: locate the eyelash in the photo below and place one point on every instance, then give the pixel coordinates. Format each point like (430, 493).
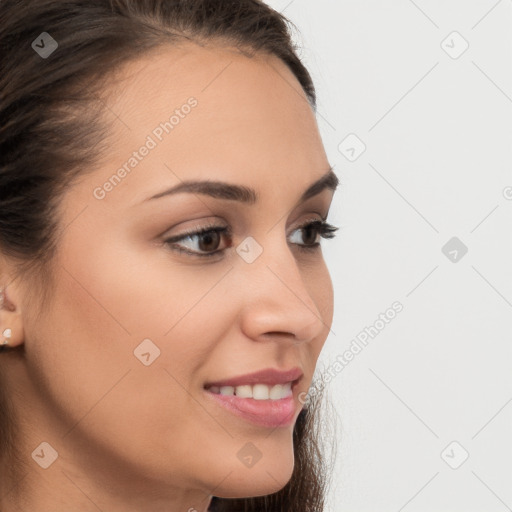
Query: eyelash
(324, 229)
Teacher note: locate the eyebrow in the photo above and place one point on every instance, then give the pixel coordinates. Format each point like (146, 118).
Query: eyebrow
(243, 194)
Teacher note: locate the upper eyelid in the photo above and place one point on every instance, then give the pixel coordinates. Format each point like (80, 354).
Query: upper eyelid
(173, 243)
(227, 229)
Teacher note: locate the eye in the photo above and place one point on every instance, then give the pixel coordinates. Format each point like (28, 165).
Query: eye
(314, 231)
(206, 240)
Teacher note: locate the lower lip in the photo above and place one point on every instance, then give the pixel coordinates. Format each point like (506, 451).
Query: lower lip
(266, 413)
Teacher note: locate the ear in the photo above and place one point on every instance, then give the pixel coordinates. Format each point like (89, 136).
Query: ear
(11, 325)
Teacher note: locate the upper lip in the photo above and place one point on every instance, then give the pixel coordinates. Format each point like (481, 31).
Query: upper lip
(269, 376)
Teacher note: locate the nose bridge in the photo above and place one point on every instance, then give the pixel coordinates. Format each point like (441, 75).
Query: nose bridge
(276, 299)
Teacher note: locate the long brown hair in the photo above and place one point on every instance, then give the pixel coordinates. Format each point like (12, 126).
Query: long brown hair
(51, 134)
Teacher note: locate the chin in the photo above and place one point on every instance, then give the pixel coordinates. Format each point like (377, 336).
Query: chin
(256, 481)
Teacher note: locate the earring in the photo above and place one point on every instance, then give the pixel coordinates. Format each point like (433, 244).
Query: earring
(7, 332)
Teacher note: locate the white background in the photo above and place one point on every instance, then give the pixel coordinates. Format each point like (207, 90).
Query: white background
(437, 164)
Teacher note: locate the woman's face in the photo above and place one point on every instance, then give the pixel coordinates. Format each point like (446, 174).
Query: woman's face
(135, 329)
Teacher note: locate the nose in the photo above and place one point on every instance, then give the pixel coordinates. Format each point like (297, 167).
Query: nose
(276, 299)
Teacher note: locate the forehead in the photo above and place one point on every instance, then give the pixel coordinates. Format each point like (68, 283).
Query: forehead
(229, 85)
(251, 121)
(212, 70)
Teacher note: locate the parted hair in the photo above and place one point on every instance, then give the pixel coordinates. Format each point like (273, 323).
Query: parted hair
(52, 132)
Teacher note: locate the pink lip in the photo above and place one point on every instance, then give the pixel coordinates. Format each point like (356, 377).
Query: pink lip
(269, 376)
(266, 413)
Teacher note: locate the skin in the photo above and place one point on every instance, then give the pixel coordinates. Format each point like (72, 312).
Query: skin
(132, 437)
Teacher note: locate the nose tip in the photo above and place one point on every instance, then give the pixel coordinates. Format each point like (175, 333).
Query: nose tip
(294, 332)
(308, 320)
(280, 299)
(284, 316)
(303, 331)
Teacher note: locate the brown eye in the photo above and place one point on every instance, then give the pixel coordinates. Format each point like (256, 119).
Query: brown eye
(205, 241)
(310, 232)
(209, 241)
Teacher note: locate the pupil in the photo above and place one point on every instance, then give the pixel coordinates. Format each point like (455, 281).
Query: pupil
(310, 230)
(207, 237)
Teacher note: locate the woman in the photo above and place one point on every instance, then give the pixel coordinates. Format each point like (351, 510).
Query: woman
(163, 193)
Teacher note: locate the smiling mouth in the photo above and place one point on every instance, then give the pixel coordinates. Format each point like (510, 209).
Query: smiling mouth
(255, 391)
(260, 404)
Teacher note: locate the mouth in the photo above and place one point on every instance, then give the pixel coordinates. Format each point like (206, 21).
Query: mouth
(260, 383)
(264, 398)
(258, 391)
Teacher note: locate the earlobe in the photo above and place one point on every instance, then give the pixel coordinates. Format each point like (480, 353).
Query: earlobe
(11, 331)
(6, 335)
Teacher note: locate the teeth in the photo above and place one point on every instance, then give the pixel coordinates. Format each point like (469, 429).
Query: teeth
(244, 391)
(278, 392)
(260, 392)
(257, 392)
(227, 390)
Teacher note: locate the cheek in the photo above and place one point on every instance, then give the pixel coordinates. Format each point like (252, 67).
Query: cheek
(105, 304)
(83, 361)
(319, 284)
